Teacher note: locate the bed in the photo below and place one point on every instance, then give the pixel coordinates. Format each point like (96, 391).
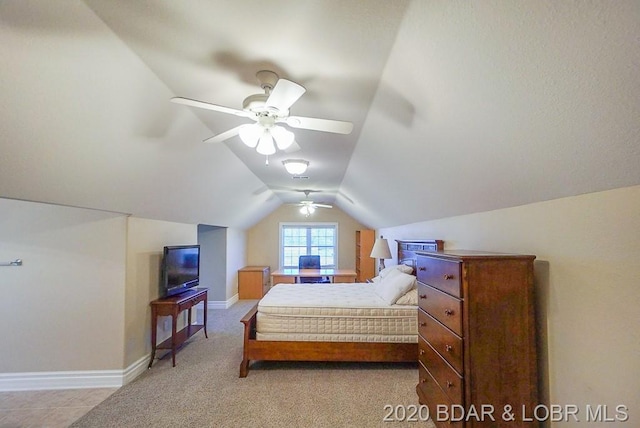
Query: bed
(361, 322)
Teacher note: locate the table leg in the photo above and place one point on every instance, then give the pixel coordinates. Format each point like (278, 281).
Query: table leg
(205, 316)
(174, 328)
(154, 322)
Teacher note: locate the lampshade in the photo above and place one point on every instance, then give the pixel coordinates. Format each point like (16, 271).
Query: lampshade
(262, 137)
(380, 249)
(295, 166)
(265, 144)
(250, 134)
(283, 137)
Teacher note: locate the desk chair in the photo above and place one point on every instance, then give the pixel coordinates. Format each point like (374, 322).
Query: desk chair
(311, 262)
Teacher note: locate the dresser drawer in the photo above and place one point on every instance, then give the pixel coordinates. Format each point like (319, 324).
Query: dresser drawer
(448, 379)
(441, 274)
(445, 308)
(443, 340)
(429, 393)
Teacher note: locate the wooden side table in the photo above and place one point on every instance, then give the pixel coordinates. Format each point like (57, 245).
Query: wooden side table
(172, 306)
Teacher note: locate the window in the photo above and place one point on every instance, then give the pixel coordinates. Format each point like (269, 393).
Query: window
(298, 239)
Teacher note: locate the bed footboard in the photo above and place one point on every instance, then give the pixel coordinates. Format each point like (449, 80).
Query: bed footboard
(267, 350)
(249, 321)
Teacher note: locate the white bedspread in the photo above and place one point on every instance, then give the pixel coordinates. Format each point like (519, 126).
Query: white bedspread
(333, 312)
(326, 296)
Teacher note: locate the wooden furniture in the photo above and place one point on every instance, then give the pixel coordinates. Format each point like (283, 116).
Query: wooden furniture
(253, 282)
(317, 351)
(407, 248)
(290, 276)
(476, 329)
(365, 265)
(174, 306)
(323, 351)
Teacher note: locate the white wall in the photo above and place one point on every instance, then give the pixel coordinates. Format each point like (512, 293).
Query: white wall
(145, 241)
(236, 259)
(587, 284)
(63, 310)
(77, 311)
(213, 265)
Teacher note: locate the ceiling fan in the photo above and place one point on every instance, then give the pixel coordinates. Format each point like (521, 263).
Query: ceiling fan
(307, 206)
(268, 110)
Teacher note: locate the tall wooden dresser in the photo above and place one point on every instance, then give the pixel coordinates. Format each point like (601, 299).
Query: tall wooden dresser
(253, 282)
(365, 265)
(477, 343)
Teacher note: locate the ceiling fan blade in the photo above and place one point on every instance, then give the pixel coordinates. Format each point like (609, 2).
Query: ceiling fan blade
(315, 124)
(322, 206)
(223, 136)
(201, 104)
(284, 94)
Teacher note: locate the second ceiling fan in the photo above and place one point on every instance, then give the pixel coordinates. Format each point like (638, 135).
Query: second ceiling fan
(268, 110)
(307, 206)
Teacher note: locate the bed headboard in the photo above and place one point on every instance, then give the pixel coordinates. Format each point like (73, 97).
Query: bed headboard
(407, 249)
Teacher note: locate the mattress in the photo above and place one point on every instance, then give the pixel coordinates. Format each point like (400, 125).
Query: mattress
(335, 313)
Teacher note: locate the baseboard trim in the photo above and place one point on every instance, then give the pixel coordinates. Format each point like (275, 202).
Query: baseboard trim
(136, 369)
(222, 304)
(33, 381)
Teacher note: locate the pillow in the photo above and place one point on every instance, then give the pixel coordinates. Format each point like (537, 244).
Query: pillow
(402, 268)
(392, 286)
(409, 298)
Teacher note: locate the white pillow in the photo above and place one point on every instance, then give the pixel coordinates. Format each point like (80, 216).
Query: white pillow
(392, 286)
(409, 298)
(402, 268)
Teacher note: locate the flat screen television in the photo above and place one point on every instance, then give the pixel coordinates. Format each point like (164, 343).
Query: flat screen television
(180, 269)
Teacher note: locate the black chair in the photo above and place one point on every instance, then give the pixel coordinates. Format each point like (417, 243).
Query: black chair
(311, 262)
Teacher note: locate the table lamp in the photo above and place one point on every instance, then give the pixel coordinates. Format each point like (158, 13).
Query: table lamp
(381, 251)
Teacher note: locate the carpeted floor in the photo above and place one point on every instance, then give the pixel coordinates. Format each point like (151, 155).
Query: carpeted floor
(204, 389)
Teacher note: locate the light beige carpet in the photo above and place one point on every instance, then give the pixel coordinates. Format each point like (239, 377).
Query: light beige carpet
(204, 389)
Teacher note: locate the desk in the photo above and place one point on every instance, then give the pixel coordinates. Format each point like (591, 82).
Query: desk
(290, 276)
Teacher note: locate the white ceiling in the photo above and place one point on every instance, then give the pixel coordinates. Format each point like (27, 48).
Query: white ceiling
(458, 106)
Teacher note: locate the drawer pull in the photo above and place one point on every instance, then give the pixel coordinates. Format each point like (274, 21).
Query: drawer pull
(448, 276)
(423, 324)
(423, 381)
(422, 268)
(449, 384)
(423, 296)
(448, 348)
(448, 312)
(422, 352)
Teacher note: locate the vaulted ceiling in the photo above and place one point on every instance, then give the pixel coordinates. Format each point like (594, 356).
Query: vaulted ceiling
(458, 106)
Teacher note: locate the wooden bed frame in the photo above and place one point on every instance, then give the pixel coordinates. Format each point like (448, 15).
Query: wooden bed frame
(267, 350)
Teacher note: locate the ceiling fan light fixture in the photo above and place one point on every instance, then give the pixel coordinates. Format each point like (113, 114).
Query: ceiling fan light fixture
(295, 166)
(250, 134)
(265, 144)
(307, 210)
(282, 136)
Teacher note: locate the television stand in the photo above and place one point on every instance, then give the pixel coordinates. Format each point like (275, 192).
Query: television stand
(173, 306)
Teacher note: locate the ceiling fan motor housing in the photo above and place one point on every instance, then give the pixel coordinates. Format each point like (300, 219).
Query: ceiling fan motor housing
(268, 79)
(257, 104)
